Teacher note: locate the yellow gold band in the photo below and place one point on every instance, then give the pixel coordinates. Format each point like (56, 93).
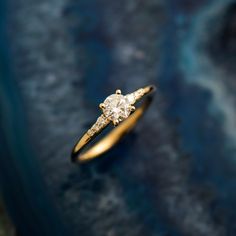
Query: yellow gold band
(116, 134)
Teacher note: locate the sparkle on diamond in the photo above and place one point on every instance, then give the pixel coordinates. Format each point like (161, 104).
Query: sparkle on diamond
(117, 107)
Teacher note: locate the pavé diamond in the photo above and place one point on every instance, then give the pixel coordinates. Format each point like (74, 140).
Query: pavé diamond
(116, 108)
(131, 98)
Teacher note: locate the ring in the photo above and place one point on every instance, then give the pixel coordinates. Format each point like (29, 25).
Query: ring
(117, 109)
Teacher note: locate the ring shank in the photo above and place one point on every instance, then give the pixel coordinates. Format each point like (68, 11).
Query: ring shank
(112, 137)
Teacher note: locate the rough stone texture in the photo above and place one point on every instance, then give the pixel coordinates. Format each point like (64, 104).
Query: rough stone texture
(6, 227)
(175, 174)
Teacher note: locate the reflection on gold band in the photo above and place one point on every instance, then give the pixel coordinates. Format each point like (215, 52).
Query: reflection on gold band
(114, 136)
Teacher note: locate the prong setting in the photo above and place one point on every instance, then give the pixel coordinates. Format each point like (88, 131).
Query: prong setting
(102, 105)
(117, 107)
(132, 108)
(116, 122)
(118, 92)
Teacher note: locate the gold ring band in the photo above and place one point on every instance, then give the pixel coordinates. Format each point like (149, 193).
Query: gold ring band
(119, 110)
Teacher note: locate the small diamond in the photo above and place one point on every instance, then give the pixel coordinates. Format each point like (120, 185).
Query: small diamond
(131, 98)
(90, 133)
(116, 107)
(100, 122)
(139, 93)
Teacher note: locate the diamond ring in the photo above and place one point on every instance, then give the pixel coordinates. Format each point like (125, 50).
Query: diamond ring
(119, 110)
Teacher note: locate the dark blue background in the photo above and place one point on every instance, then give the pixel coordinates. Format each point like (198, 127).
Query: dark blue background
(175, 174)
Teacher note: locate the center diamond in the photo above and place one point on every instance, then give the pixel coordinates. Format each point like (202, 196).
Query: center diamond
(116, 108)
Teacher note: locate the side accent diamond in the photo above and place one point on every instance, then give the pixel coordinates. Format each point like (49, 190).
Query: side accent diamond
(131, 98)
(139, 93)
(100, 124)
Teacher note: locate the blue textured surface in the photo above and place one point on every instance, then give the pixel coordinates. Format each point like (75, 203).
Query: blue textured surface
(176, 173)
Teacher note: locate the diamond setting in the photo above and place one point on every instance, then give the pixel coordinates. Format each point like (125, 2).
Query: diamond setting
(117, 107)
(100, 124)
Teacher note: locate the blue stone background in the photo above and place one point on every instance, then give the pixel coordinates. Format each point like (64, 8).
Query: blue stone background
(175, 174)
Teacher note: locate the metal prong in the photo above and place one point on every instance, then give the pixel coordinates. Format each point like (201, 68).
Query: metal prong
(116, 122)
(118, 91)
(101, 105)
(133, 108)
